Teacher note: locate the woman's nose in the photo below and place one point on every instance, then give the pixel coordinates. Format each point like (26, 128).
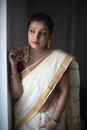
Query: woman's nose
(37, 36)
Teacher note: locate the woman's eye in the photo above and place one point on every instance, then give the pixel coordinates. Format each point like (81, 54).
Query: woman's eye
(32, 31)
(43, 33)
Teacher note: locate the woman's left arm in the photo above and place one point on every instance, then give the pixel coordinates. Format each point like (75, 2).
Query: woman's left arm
(62, 100)
(61, 103)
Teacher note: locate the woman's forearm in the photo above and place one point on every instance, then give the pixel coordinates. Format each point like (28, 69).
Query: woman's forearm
(15, 83)
(60, 106)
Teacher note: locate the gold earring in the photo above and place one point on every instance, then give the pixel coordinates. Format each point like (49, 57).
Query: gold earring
(48, 44)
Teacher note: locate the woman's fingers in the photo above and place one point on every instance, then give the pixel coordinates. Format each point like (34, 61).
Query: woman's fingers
(15, 51)
(14, 55)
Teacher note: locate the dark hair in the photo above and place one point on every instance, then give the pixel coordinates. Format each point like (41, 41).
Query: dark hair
(43, 17)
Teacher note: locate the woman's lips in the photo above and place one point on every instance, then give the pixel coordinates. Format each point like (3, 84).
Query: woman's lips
(35, 42)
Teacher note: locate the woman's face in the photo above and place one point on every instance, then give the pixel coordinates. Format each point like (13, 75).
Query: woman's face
(38, 35)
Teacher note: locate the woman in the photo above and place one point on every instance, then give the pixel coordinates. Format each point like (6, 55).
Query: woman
(39, 79)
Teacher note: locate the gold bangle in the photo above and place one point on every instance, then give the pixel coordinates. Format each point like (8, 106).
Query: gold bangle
(54, 123)
(14, 76)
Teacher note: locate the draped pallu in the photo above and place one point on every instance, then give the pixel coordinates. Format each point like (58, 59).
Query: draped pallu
(39, 83)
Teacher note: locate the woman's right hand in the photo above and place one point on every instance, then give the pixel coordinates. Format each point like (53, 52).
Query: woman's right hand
(14, 55)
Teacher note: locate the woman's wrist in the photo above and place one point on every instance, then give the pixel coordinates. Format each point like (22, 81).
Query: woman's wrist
(14, 69)
(54, 122)
(14, 65)
(14, 76)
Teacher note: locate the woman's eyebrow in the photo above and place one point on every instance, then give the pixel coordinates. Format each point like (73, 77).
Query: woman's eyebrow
(32, 27)
(43, 29)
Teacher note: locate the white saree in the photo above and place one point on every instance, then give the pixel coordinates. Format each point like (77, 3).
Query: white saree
(38, 84)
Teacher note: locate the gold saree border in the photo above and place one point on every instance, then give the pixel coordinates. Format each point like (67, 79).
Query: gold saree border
(69, 113)
(45, 94)
(34, 65)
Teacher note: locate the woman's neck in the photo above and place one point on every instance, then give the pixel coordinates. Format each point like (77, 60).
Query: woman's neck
(37, 52)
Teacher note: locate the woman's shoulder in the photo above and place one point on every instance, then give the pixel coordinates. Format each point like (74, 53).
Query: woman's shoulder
(63, 52)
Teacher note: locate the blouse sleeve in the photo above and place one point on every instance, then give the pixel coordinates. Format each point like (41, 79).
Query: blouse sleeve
(20, 67)
(67, 70)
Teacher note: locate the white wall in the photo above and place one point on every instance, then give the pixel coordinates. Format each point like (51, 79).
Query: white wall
(3, 67)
